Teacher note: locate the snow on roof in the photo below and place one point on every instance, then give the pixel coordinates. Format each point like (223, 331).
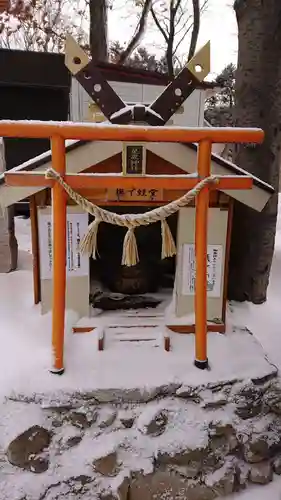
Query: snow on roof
(41, 159)
(234, 169)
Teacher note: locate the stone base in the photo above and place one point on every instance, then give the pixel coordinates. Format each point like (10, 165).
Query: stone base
(195, 443)
(8, 242)
(107, 301)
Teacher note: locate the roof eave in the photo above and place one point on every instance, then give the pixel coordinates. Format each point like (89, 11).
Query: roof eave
(46, 157)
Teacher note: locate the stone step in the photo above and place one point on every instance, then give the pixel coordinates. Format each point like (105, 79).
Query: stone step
(118, 337)
(114, 321)
(135, 336)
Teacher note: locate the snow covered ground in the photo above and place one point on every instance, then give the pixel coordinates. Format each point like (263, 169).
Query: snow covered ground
(264, 321)
(25, 358)
(271, 491)
(25, 338)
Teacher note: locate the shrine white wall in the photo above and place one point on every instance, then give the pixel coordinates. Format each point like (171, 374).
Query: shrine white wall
(191, 114)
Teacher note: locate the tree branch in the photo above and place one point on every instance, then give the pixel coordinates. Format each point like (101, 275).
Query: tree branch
(178, 3)
(171, 39)
(179, 19)
(158, 24)
(138, 34)
(182, 38)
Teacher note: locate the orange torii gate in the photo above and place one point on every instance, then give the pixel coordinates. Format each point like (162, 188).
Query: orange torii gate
(58, 132)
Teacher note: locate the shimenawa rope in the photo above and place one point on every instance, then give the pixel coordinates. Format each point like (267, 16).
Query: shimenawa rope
(130, 221)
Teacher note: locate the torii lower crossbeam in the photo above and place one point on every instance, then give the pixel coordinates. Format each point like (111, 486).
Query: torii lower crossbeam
(59, 132)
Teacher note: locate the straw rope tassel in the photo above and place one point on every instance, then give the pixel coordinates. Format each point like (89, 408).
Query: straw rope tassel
(88, 244)
(130, 255)
(168, 244)
(130, 251)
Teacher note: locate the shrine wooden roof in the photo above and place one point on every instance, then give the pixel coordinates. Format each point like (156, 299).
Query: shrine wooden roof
(83, 154)
(22, 68)
(44, 158)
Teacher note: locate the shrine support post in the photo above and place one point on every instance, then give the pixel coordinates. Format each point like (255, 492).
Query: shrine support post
(201, 245)
(59, 199)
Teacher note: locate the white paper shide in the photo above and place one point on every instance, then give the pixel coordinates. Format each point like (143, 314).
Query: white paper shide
(214, 270)
(76, 264)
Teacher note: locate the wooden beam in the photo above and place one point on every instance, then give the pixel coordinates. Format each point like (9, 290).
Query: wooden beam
(216, 328)
(211, 327)
(200, 64)
(96, 181)
(35, 249)
(201, 245)
(101, 132)
(75, 57)
(227, 257)
(102, 197)
(179, 89)
(59, 258)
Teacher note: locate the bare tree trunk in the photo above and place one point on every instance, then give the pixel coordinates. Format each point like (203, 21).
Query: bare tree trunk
(195, 29)
(124, 56)
(170, 52)
(171, 39)
(258, 104)
(98, 30)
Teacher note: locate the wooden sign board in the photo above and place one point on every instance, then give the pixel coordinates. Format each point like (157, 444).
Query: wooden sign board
(133, 159)
(135, 194)
(214, 270)
(186, 269)
(77, 265)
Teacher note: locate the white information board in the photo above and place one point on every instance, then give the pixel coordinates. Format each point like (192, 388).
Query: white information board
(214, 270)
(76, 264)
